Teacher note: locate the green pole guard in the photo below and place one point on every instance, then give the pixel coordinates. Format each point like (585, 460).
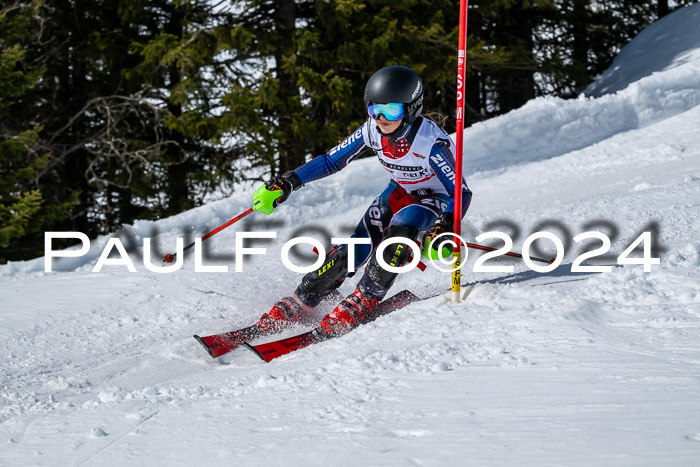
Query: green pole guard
(264, 199)
(432, 254)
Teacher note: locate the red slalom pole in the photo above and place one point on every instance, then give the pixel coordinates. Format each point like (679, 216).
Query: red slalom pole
(461, 81)
(170, 258)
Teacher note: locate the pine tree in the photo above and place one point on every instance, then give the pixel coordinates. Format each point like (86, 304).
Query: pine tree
(138, 109)
(309, 62)
(507, 28)
(24, 213)
(578, 39)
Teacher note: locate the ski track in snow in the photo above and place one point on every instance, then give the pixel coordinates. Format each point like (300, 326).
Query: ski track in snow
(532, 369)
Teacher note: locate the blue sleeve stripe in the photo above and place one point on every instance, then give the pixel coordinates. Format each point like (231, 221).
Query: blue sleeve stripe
(333, 161)
(442, 162)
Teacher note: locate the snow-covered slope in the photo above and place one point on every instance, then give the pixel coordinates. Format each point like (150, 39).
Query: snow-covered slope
(532, 369)
(671, 42)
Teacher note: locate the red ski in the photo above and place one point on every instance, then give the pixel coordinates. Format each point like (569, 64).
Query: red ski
(220, 344)
(274, 349)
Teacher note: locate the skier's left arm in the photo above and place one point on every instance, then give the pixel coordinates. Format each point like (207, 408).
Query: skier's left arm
(443, 163)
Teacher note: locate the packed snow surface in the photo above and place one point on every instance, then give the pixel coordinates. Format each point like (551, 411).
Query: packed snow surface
(558, 368)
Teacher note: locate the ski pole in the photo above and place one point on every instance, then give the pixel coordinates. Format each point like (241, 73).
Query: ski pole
(170, 258)
(510, 253)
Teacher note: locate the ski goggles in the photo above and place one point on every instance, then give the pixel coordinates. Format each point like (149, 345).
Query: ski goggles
(391, 112)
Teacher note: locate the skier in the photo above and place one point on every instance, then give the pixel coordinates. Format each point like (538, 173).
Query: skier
(419, 156)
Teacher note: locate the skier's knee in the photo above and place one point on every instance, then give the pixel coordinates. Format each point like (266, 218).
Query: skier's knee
(400, 230)
(398, 253)
(377, 280)
(319, 283)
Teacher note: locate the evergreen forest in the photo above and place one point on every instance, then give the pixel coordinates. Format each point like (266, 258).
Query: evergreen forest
(117, 110)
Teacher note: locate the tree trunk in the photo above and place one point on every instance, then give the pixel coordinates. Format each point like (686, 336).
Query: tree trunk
(580, 46)
(291, 151)
(178, 191)
(516, 82)
(473, 105)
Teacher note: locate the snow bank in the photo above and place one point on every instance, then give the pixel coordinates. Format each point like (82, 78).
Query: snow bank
(671, 42)
(655, 77)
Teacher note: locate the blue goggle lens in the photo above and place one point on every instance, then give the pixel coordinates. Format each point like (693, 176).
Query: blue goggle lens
(391, 112)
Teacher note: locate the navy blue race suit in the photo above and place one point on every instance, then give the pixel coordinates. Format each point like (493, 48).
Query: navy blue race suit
(421, 162)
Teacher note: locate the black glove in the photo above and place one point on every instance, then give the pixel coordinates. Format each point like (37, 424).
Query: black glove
(287, 182)
(443, 224)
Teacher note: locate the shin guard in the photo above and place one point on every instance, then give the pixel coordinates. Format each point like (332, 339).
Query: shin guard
(377, 281)
(317, 284)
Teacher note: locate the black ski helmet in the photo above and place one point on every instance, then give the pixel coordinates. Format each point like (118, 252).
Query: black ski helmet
(396, 84)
